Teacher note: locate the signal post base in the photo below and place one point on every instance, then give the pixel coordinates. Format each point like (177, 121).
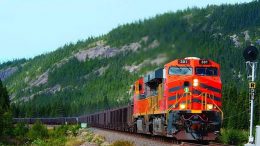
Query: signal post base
(250, 144)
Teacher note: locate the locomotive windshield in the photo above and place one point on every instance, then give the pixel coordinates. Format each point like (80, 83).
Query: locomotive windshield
(206, 71)
(176, 70)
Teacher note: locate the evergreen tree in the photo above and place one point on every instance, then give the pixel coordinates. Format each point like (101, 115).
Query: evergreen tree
(106, 102)
(4, 98)
(5, 114)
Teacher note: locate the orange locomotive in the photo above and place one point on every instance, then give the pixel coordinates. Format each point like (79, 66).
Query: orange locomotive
(181, 100)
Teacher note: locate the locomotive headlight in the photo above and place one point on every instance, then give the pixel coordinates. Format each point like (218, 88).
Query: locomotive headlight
(182, 106)
(209, 106)
(195, 82)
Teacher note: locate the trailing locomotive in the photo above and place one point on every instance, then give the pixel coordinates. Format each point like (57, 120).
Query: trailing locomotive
(181, 100)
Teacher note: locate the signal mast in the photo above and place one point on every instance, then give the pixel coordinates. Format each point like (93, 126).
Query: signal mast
(250, 55)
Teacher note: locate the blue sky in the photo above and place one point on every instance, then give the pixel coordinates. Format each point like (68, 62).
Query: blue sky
(32, 27)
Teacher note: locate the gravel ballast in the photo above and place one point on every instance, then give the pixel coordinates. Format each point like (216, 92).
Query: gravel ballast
(112, 136)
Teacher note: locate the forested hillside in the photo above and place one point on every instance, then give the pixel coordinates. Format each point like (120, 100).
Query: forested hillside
(97, 73)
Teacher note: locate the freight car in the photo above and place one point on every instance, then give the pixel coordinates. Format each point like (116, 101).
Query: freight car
(48, 121)
(116, 119)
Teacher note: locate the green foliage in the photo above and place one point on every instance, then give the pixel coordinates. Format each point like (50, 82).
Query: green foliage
(7, 123)
(4, 98)
(57, 141)
(39, 142)
(89, 136)
(60, 131)
(74, 129)
(122, 143)
(38, 135)
(98, 139)
(234, 137)
(38, 131)
(5, 113)
(12, 63)
(21, 130)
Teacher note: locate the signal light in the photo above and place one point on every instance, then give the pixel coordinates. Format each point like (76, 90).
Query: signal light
(250, 53)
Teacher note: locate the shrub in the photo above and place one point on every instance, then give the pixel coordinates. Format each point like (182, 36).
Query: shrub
(6, 123)
(234, 137)
(98, 139)
(73, 141)
(60, 131)
(57, 141)
(38, 131)
(21, 130)
(122, 143)
(74, 129)
(89, 137)
(39, 142)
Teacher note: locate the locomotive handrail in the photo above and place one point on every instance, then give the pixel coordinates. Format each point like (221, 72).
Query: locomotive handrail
(186, 97)
(222, 114)
(204, 106)
(212, 97)
(178, 100)
(154, 107)
(205, 97)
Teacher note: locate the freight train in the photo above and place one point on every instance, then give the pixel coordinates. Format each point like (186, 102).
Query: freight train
(181, 100)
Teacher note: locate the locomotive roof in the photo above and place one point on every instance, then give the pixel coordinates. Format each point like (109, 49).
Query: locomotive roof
(192, 61)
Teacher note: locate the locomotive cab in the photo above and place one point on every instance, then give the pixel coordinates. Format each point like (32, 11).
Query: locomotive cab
(193, 78)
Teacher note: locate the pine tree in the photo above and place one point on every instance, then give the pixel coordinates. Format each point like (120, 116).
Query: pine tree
(4, 98)
(5, 114)
(106, 103)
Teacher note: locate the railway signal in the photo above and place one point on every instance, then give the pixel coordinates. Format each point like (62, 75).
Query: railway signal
(250, 55)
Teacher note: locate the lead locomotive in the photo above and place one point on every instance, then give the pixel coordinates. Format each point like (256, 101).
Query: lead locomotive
(181, 100)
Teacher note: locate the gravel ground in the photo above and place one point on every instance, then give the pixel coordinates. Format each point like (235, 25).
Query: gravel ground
(112, 136)
(88, 144)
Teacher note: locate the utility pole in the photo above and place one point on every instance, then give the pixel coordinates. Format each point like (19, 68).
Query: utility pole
(250, 54)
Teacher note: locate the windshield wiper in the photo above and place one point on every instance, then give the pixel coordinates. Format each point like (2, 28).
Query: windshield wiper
(187, 67)
(178, 67)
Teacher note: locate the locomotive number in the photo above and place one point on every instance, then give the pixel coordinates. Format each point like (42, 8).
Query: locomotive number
(183, 61)
(204, 62)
